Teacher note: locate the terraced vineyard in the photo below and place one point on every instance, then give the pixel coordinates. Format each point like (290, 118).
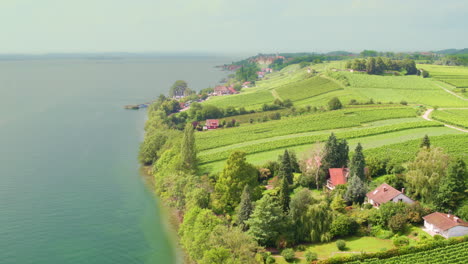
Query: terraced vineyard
(250, 100)
(412, 89)
(308, 88)
(305, 123)
(454, 145)
(302, 139)
(452, 254)
(454, 75)
(456, 117)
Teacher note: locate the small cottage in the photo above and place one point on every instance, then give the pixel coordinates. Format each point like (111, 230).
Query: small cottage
(337, 176)
(386, 193)
(446, 225)
(212, 124)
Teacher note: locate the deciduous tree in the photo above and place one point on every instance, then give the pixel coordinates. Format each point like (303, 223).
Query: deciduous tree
(267, 221)
(236, 174)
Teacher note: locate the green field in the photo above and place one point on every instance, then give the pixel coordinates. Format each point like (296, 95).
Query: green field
(412, 89)
(353, 244)
(453, 75)
(298, 124)
(400, 146)
(457, 253)
(308, 88)
(456, 117)
(288, 141)
(249, 100)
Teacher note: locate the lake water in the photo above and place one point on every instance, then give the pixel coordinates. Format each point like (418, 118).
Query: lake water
(70, 188)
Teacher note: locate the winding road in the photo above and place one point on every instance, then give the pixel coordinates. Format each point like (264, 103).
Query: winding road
(428, 112)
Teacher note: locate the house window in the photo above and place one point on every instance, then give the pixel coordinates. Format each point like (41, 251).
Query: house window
(400, 200)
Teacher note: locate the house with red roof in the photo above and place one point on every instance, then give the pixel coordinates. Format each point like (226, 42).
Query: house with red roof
(211, 124)
(232, 90)
(446, 225)
(221, 90)
(337, 176)
(386, 193)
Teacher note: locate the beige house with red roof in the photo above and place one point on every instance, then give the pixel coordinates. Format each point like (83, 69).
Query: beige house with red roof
(386, 193)
(446, 225)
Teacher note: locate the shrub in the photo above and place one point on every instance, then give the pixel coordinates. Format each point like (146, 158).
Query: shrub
(334, 104)
(438, 237)
(400, 241)
(310, 255)
(288, 254)
(397, 222)
(341, 244)
(301, 248)
(270, 260)
(403, 102)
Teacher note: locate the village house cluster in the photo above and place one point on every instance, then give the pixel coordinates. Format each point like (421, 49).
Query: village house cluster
(446, 225)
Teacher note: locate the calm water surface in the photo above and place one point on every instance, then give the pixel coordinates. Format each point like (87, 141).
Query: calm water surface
(70, 190)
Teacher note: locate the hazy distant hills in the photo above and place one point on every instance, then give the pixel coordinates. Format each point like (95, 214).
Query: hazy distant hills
(453, 51)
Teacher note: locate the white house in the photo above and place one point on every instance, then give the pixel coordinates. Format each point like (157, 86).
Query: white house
(386, 193)
(446, 225)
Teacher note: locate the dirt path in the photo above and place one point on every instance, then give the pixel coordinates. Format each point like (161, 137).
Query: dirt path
(450, 92)
(276, 95)
(429, 111)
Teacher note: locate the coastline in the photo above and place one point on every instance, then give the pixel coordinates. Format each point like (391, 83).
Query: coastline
(170, 217)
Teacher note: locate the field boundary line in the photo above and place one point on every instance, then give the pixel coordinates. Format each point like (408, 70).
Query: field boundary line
(450, 92)
(333, 80)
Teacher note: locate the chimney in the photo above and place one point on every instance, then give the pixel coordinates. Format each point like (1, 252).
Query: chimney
(384, 189)
(403, 190)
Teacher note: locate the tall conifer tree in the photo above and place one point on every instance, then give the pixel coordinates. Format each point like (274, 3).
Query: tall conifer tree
(188, 150)
(425, 143)
(358, 163)
(284, 195)
(245, 208)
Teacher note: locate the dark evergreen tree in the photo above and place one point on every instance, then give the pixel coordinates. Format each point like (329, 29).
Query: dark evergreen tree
(188, 150)
(336, 153)
(425, 142)
(294, 164)
(356, 191)
(245, 208)
(285, 170)
(284, 195)
(358, 163)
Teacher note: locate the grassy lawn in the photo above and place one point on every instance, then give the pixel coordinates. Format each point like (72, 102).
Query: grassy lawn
(353, 244)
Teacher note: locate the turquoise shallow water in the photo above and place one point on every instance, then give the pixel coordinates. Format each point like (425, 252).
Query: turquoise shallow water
(70, 189)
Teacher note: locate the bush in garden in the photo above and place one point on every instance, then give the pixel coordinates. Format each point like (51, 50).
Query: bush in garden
(310, 255)
(288, 254)
(400, 241)
(341, 244)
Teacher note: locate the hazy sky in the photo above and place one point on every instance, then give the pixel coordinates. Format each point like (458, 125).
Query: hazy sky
(43, 26)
